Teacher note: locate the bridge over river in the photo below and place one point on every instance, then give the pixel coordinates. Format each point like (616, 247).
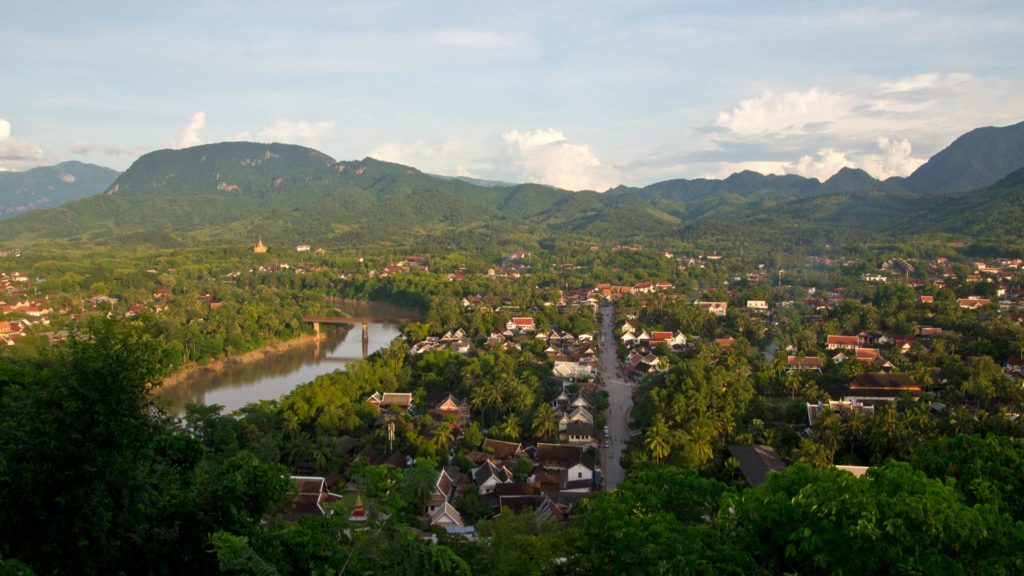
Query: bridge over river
(354, 320)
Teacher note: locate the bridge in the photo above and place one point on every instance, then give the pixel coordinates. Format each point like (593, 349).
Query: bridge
(352, 321)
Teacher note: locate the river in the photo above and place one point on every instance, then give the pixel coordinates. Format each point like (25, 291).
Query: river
(274, 375)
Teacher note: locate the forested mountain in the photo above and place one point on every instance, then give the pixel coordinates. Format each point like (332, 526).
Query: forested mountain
(50, 186)
(977, 159)
(231, 193)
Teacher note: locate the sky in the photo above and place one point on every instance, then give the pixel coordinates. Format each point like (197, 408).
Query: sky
(580, 95)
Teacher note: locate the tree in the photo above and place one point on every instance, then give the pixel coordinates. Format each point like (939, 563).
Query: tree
(657, 439)
(441, 437)
(545, 422)
(509, 429)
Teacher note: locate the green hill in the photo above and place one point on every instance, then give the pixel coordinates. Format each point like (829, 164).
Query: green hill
(50, 186)
(231, 193)
(977, 159)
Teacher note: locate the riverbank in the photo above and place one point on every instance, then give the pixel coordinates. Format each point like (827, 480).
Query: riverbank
(219, 365)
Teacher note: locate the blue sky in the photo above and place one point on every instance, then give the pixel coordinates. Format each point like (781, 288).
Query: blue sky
(573, 94)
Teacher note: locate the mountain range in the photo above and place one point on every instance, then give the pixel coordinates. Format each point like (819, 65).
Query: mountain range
(51, 186)
(233, 192)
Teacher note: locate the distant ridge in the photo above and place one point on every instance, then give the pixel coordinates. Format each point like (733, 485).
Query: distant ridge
(977, 159)
(223, 193)
(50, 186)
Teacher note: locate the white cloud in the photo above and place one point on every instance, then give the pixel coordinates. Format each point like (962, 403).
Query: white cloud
(828, 162)
(926, 81)
(290, 132)
(17, 154)
(896, 159)
(191, 134)
(869, 125)
(84, 148)
(538, 156)
(786, 113)
(449, 157)
(548, 157)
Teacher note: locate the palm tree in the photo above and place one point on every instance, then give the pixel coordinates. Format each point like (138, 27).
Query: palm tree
(441, 437)
(855, 426)
(545, 422)
(485, 398)
(657, 439)
(702, 438)
(509, 428)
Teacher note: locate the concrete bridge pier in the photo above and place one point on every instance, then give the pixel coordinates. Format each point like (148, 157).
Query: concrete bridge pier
(366, 339)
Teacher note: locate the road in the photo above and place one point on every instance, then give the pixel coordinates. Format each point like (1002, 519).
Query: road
(620, 401)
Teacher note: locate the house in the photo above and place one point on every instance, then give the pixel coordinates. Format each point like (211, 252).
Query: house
(973, 303)
(453, 408)
(572, 371)
(573, 464)
(1014, 366)
(834, 342)
(725, 343)
(308, 498)
(578, 414)
(446, 516)
(876, 388)
(489, 475)
(387, 400)
(502, 450)
(523, 324)
(814, 411)
(444, 490)
(302, 247)
(714, 308)
(756, 462)
(757, 306)
(903, 345)
(580, 432)
(809, 363)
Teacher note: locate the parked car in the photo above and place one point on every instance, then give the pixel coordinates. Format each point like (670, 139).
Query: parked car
(607, 442)
(606, 430)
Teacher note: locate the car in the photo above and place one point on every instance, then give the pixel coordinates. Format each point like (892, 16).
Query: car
(605, 430)
(607, 442)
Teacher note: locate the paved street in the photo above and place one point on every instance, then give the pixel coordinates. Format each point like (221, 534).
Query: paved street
(620, 400)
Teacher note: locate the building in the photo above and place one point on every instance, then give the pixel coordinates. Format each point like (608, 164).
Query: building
(876, 388)
(260, 247)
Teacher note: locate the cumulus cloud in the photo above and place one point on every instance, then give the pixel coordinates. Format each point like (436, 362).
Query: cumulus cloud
(815, 132)
(549, 157)
(895, 159)
(290, 132)
(17, 154)
(785, 113)
(822, 167)
(543, 156)
(192, 133)
(448, 157)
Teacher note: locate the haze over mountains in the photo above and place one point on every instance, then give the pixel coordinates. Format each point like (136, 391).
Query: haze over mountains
(230, 191)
